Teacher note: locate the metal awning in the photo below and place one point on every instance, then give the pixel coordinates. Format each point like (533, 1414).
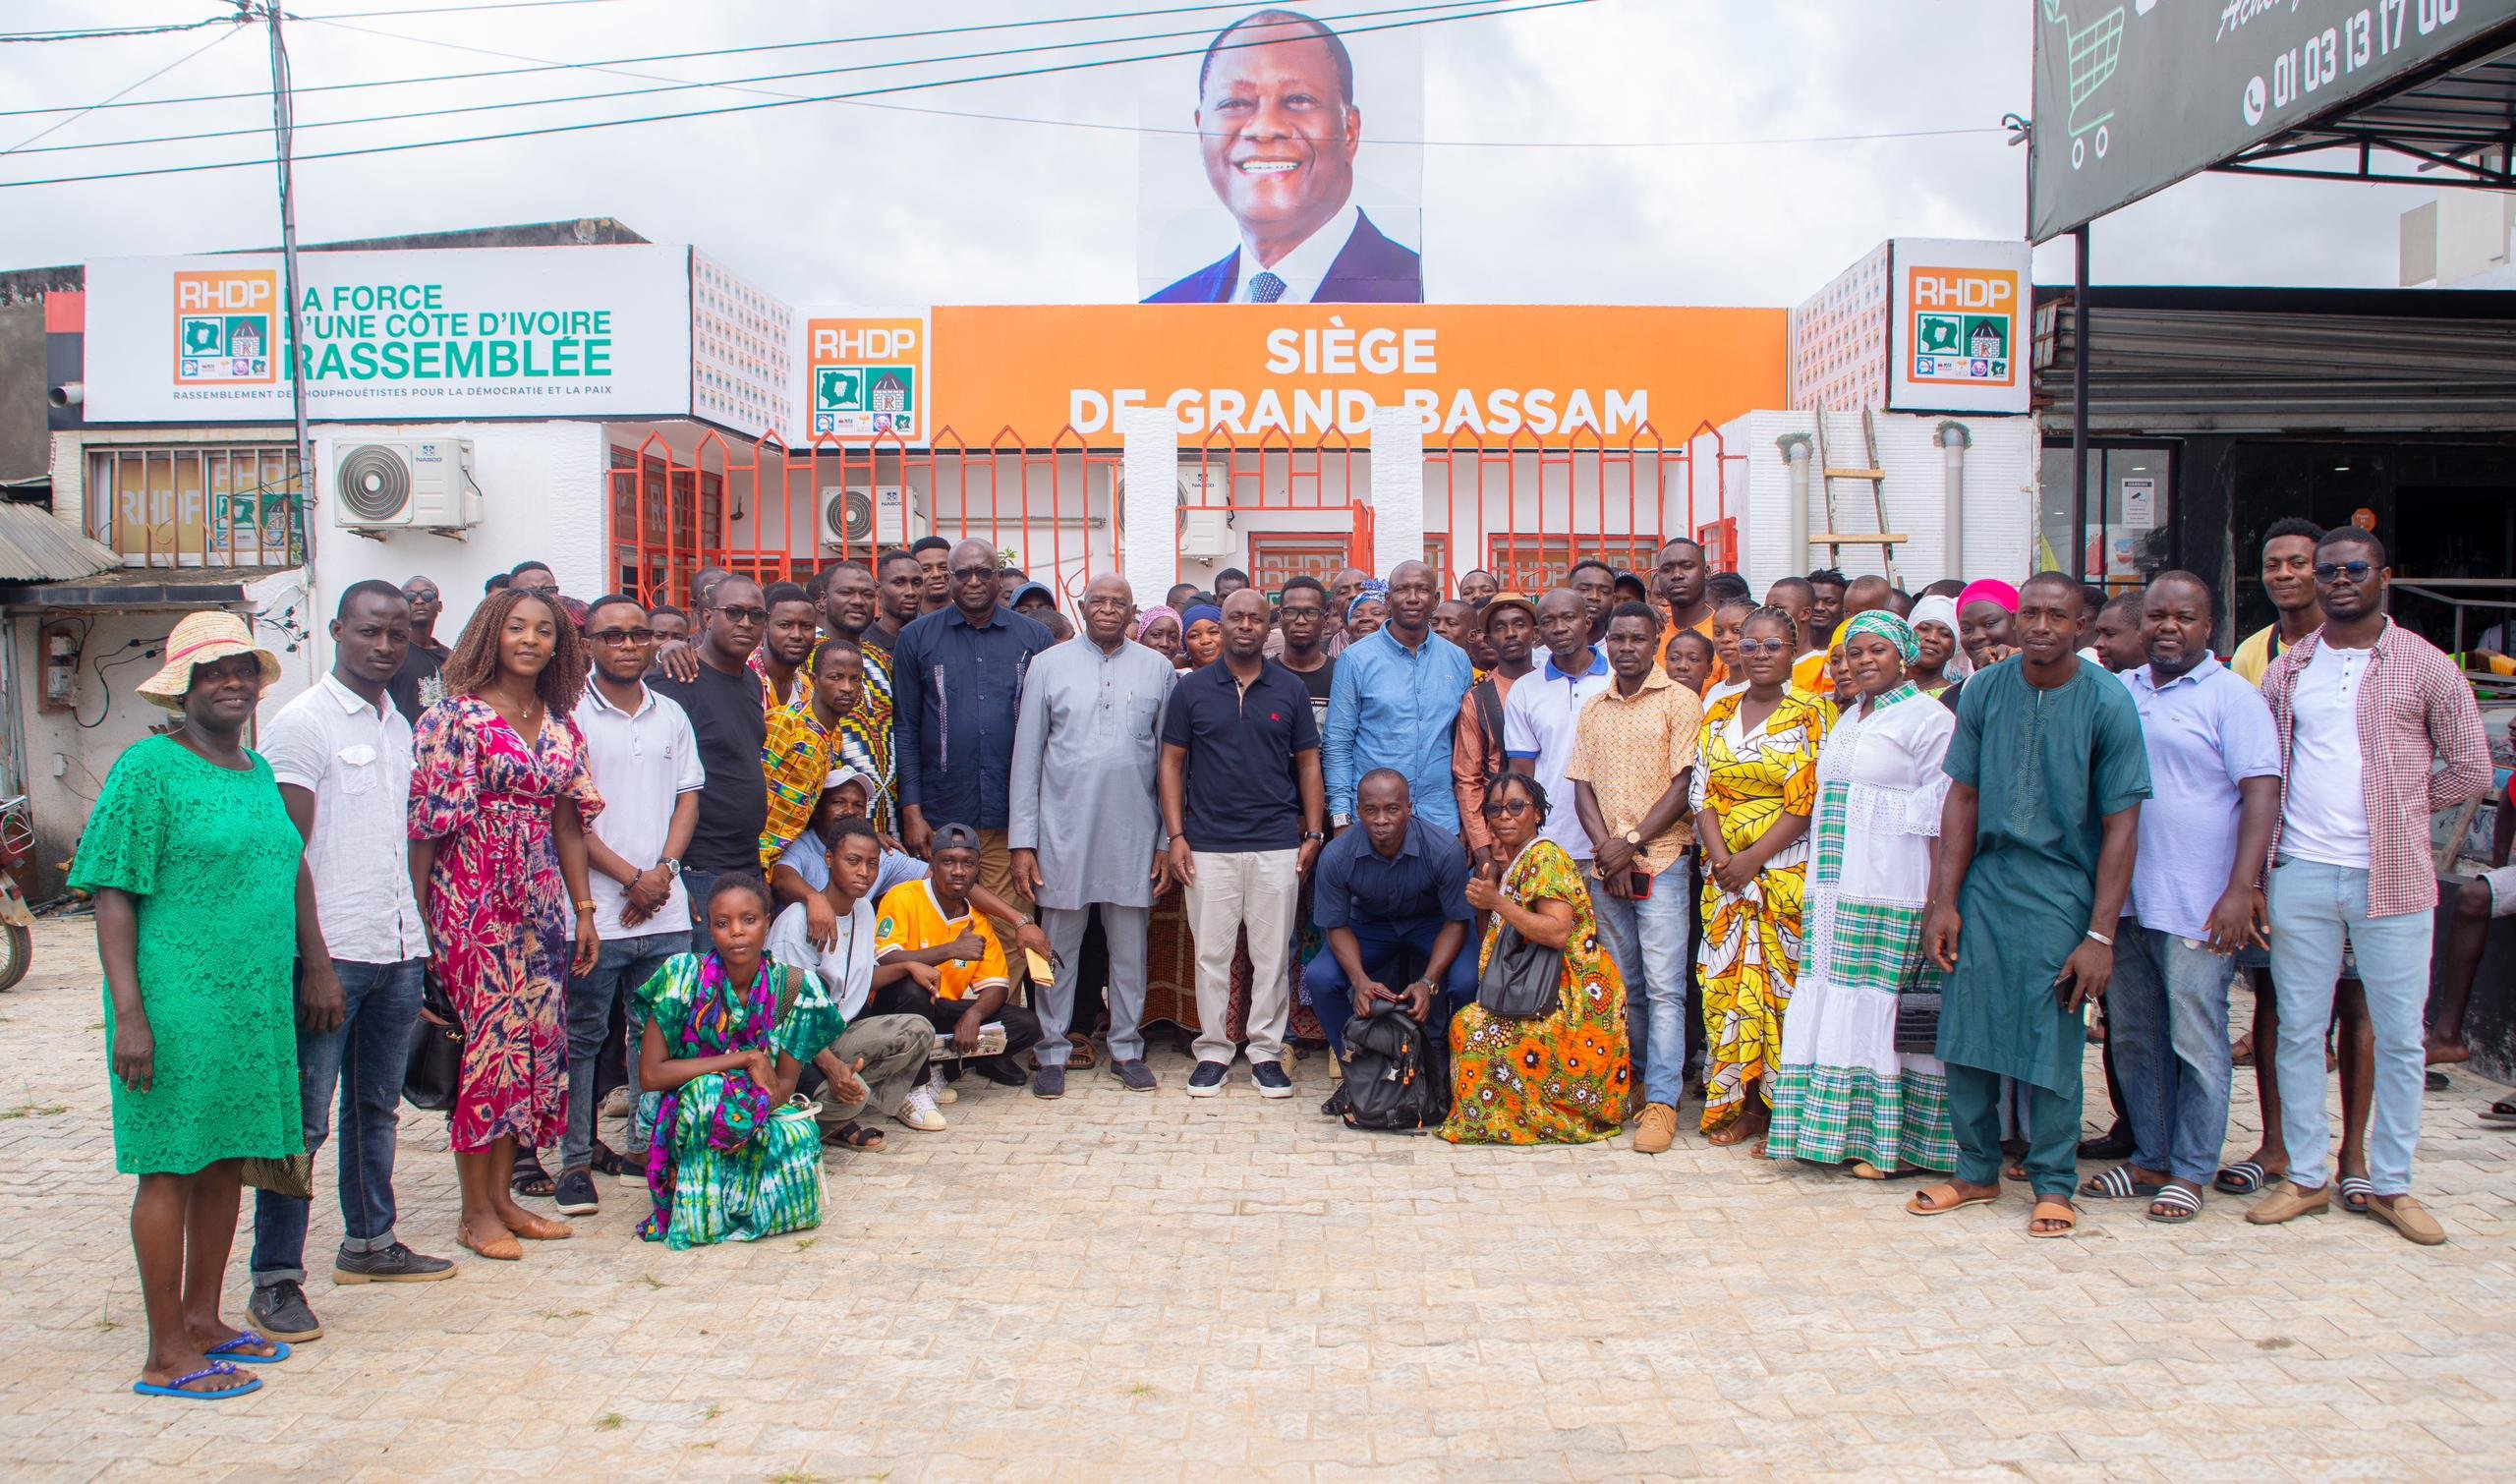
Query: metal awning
(2391, 362)
(35, 546)
(2455, 127)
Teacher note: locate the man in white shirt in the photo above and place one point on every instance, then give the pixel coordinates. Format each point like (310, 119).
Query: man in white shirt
(1542, 717)
(643, 758)
(879, 1061)
(341, 753)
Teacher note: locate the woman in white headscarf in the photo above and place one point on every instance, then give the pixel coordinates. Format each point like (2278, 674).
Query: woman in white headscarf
(1939, 662)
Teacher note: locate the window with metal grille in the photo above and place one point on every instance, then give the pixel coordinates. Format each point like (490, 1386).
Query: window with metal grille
(1534, 565)
(198, 504)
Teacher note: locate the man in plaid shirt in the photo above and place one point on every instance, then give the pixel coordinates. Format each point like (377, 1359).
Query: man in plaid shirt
(2365, 711)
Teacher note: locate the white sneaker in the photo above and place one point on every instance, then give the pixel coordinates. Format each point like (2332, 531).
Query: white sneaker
(918, 1112)
(938, 1089)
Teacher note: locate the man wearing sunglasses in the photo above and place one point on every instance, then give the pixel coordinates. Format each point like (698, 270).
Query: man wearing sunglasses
(722, 698)
(644, 759)
(956, 684)
(2365, 709)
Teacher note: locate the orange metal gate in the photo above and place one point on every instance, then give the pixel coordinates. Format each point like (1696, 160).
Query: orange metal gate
(1519, 509)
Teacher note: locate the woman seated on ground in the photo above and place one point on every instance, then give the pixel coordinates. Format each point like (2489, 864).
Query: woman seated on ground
(1562, 1078)
(1848, 1091)
(728, 1034)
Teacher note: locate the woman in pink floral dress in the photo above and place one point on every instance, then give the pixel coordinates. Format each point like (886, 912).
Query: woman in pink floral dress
(499, 800)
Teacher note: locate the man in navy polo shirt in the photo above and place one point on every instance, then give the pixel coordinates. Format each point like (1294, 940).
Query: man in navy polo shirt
(1244, 808)
(1392, 899)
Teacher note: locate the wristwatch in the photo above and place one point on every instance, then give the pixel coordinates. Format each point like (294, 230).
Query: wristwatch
(671, 865)
(1341, 821)
(1634, 837)
(1313, 834)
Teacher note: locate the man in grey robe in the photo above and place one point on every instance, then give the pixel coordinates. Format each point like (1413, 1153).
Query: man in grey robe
(1084, 829)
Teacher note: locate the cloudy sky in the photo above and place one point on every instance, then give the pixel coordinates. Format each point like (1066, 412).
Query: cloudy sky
(1650, 190)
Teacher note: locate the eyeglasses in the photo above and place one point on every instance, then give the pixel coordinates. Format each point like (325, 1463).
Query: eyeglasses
(1762, 645)
(623, 636)
(974, 574)
(746, 615)
(1502, 807)
(2334, 571)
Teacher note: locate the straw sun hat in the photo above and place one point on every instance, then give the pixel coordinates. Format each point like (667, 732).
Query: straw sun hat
(204, 638)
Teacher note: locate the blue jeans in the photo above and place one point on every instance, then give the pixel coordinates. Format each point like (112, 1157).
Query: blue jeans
(1396, 958)
(365, 1057)
(2166, 1020)
(2315, 910)
(1646, 940)
(622, 966)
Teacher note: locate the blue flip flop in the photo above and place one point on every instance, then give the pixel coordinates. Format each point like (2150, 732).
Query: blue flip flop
(214, 1368)
(227, 1349)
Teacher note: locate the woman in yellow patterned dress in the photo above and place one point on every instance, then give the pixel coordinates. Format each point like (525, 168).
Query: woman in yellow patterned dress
(1752, 797)
(1556, 1079)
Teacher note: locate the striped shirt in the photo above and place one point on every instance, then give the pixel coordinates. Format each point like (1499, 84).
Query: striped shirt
(865, 738)
(2414, 708)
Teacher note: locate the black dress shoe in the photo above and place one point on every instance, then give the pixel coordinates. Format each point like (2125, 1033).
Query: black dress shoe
(2116, 1145)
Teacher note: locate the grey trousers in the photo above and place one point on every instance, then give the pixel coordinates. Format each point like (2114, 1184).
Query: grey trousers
(895, 1049)
(1125, 927)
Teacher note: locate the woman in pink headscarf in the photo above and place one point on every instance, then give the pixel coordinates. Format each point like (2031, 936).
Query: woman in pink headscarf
(1985, 630)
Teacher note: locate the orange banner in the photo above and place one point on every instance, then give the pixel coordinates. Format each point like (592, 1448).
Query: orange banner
(1305, 374)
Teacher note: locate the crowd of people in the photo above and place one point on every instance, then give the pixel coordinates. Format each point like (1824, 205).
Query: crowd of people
(1850, 868)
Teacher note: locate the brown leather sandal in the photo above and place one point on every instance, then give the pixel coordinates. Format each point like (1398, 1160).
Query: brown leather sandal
(2052, 1207)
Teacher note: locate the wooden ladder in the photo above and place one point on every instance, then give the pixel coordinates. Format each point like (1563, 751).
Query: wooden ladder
(1834, 542)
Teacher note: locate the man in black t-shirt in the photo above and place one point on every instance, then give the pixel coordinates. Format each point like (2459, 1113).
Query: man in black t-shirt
(1245, 807)
(725, 711)
(1302, 608)
(414, 686)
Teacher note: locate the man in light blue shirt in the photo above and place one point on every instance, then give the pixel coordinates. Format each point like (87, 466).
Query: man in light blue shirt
(2197, 897)
(1391, 704)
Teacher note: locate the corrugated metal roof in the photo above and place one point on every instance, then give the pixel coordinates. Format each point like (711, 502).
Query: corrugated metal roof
(37, 547)
(2403, 362)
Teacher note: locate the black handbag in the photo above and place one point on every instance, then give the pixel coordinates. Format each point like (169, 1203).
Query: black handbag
(1917, 1002)
(1522, 980)
(435, 1066)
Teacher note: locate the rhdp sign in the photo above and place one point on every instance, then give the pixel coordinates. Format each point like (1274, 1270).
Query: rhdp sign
(226, 328)
(1953, 327)
(866, 376)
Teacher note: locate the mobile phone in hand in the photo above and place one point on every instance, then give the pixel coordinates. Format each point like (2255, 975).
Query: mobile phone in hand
(1638, 885)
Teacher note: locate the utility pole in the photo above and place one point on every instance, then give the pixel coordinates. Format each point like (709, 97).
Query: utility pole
(283, 133)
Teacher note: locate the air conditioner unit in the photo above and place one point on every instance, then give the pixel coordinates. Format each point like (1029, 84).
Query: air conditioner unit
(881, 517)
(1206, 534)
(406, 484)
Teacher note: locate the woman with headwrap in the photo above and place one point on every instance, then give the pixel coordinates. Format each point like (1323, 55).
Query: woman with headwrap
(1202, 625)
(1845, 1090)
(1367, 612)
(1985, 629)
(1160, 630)
(1936, 660)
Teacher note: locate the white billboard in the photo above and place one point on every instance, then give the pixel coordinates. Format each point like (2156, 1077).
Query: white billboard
(488, 332)
(1283, 165)
(1957, 312)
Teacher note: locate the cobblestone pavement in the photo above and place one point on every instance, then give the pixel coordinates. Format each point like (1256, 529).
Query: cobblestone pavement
(1153, 1287)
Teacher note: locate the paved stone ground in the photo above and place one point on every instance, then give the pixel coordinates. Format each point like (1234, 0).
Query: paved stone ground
(1149, 1287)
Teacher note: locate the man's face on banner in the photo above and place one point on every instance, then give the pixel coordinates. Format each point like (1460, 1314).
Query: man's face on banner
(1278, 134)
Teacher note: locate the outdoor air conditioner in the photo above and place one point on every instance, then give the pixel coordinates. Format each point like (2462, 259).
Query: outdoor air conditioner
(1206, 534)
(882, 517)
(406, 485)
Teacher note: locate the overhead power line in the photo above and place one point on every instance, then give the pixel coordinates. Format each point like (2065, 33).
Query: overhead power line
(111, 32)
(771, 103)
(440, 9)
(678, 85)
(540, 65)
(64, 123)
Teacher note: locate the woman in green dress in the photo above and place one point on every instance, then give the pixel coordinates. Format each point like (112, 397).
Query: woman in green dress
(727, 1033)
(202, 902)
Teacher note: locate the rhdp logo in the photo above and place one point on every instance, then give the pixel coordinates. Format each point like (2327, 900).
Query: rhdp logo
(1964, 324)
(227, 324)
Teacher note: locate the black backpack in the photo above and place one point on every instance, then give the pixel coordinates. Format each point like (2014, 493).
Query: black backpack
(1396, 1078)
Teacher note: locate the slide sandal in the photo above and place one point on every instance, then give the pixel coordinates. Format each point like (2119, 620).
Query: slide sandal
(2245, 1177)
(2117, 1184)
(2175, 1206)
(1941, 1199)
(232, 1349)
(2354, 1190)
(2053, 1208)
(181, 1383)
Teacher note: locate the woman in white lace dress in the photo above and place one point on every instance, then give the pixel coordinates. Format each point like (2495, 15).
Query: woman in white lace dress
(1845, 1092)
